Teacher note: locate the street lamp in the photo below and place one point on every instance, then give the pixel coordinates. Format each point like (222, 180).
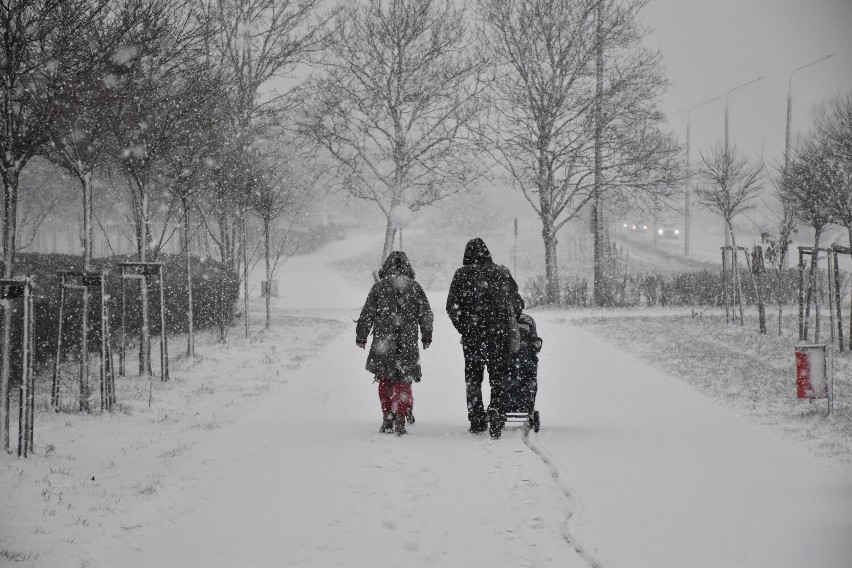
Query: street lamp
(688, 173)
(727, 157)
(728, 94)
(790, 105)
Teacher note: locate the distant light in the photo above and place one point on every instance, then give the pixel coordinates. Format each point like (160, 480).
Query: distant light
(625, 225)
(644, 227)
(660, 231)
(677, 231)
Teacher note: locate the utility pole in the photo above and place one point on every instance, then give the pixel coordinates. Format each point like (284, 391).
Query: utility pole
(785, 213)
(597, 217)
(727, 147)
(688, 174)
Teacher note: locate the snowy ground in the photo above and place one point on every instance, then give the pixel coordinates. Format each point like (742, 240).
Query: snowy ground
(266, 452)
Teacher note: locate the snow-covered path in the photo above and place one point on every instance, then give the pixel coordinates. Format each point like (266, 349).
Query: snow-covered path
(631, 469)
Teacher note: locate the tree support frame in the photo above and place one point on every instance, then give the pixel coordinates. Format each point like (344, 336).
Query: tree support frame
(22, 289)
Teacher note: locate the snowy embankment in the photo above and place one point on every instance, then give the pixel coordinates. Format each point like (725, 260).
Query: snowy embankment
(266, 452)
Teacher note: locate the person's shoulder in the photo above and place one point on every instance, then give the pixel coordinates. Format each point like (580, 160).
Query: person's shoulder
(501, 270)
(415, 285)
(462, 271)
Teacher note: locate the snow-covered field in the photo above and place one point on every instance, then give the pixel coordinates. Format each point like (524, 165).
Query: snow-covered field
(266, 452)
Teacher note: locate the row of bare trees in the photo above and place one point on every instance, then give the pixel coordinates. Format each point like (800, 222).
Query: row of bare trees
(813, 187)
(167, 105)
(417, 100)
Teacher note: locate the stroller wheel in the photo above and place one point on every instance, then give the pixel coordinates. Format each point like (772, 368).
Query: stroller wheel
(536, 422)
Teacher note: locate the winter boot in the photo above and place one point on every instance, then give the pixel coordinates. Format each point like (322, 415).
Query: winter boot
(409, 415)
(399, 425)
(387, 423)
(478, 426)
(495, 423)
(478, 423)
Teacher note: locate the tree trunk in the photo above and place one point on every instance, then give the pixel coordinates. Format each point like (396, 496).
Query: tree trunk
(812, 288)
(267, 254)
(244, 236)
(88, 234)
(142, 252)
(390, 235)
(190, 335)
(10, 220)
(88, 230)
(782, 261)
(849, 229)
(599, 274)
(738, 289)
(757, 281)
(551, 266)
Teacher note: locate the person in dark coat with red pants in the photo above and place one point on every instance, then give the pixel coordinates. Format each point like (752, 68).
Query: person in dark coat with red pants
(481, 294)
(395, 308)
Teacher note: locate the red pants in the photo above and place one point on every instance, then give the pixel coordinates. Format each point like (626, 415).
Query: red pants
(395, 396)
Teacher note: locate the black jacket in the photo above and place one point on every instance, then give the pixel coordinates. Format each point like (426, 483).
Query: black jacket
(395, 307)
(480, 293)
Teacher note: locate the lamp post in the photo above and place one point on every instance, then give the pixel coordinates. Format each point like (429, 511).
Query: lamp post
(790, 105)
(727, 157)
(688, 174)
(727, 106)
(786, 213)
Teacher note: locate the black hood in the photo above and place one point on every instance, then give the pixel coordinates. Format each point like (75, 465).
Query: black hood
(476, 252)
(396, 263)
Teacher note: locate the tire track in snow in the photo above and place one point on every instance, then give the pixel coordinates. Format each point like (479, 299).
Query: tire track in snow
(587, 553)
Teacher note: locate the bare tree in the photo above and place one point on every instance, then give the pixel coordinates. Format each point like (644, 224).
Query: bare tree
(160, 92)
(281, 195)
(43, 49)
(397, 102)
(79, 137)
(833, 141)
(575, 103)
(187, 171)
(817, 186)
(253, 42)
(729, 185)
(43, 196)
(836, 126)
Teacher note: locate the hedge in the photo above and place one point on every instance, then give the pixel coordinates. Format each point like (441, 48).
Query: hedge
(696, 288)
(215, 292)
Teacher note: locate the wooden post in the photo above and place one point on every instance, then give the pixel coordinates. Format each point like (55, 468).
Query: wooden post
(103, 381)
(802, 329)
(837, 307)
(755, 269)
(31, 364)
(110, 370)
(122, 351)
(738, 292)
(725, 283)
(24, 402)
(85, 389)
(164, 353)
(54, 389)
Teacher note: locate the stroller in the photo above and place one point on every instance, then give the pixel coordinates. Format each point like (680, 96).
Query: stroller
(523, 379)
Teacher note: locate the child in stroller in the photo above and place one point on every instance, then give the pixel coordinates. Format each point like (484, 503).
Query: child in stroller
(523, 379)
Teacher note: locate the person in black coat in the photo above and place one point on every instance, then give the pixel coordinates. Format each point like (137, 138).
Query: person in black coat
(396, 306)
(479, 302)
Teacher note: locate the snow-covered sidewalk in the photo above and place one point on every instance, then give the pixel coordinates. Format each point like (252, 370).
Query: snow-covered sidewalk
(631, 468)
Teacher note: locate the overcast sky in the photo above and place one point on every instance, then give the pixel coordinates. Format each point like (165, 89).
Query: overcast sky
(712, 46)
